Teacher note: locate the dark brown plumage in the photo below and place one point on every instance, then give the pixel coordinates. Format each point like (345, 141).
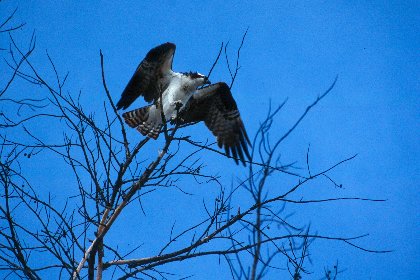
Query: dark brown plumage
(146, 79)
(213, 104)
(216, 107)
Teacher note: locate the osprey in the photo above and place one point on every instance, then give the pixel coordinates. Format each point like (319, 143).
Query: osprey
(177, 94)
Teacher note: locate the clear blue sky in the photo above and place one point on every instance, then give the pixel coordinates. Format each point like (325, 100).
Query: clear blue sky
(293, 49)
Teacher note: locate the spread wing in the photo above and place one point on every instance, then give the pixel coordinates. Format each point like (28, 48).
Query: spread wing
(149, 76)
(216, 107)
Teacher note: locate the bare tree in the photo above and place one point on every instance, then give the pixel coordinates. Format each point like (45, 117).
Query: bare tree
(107, 171)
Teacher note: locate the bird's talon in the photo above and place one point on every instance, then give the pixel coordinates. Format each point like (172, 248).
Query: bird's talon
(178, 104)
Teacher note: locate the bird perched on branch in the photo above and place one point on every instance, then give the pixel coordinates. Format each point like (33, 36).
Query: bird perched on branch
(177, 94)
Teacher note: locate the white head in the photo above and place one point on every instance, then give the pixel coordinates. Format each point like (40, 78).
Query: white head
(198, 79)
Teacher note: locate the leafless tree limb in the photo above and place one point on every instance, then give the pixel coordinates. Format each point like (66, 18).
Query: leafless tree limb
(109, 172)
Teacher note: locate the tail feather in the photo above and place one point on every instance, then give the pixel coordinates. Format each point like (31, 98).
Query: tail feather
(150, 129)
(143, 121)
(136, 117)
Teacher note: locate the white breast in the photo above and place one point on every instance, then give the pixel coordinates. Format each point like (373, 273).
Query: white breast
(178, 90)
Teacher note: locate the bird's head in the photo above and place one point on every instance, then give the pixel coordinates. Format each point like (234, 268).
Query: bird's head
(199, 79)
